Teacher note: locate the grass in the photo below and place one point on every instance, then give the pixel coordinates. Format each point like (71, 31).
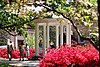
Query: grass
(5, 65)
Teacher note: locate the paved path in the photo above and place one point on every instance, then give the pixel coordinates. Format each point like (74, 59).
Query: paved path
(17, 63)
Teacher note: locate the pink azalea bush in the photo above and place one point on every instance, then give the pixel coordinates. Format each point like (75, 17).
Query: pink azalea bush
(66, 56)
(3, 53)
(16, 53)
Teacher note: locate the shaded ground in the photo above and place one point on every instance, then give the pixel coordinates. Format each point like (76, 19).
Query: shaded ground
(17, 63)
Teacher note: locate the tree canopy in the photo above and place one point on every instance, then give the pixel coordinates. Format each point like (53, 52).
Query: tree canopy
(15, 16)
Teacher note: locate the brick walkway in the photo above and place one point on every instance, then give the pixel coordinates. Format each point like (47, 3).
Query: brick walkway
(17, 63)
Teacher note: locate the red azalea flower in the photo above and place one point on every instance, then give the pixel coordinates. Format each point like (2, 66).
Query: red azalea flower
(65, 56)
(16, 53)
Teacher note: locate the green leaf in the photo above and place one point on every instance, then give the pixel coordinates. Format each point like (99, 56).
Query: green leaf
(93, 1)
(25, 34)
(25, 26)
(86, 24)
(95, 18)
(86, 17)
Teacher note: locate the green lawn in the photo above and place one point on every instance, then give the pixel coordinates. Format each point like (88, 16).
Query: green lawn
(5, 65)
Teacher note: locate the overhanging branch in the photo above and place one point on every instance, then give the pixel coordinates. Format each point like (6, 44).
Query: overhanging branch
(83, 38)
(13, 34)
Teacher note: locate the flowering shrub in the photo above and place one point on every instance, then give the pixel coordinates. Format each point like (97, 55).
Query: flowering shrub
(32, 53)
(65, 56)
(3, 53)
(16, 53)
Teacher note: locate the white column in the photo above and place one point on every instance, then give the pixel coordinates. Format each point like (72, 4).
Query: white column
(57, 36)
(68, 34)
(44, 38)
(15, 44)
(47, 35)
(36, 39)
(61, 34)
